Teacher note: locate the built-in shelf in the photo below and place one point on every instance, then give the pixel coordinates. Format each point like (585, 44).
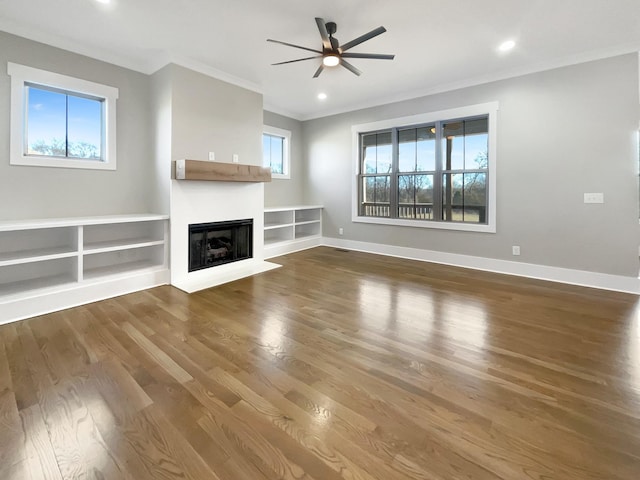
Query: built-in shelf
(97, 273)
(273, 226)
(220, 172)
(116, 245)
(35, 255)
(22, 288)
(47, 265)
(288, 229)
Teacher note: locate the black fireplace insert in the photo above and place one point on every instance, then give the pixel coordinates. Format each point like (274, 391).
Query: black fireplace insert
(212, 244)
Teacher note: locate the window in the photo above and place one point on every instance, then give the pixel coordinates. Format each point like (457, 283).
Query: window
(435, 170)
(61, 121)
(275, 151)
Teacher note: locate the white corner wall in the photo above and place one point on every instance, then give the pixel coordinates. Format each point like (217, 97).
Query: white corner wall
(203, 202)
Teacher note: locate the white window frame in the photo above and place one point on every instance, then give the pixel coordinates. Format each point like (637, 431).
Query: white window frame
(490, 109)
(286, 150)
(22, 75)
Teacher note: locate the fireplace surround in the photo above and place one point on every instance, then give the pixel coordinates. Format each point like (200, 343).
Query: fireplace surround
(218, 243)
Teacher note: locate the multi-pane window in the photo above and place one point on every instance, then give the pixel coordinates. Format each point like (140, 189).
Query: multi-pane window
(63, 124)
(436, 171)
(275, 151)
(61, 121)
(376, 173)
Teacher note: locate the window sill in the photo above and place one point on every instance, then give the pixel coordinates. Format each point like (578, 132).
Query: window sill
(280, 176)
(32, 161)
(465, 227)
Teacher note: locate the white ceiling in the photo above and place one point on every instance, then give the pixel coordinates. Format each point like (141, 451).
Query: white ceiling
(439, 45)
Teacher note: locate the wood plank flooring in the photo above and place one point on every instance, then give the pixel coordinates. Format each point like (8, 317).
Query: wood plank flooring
(340, 365)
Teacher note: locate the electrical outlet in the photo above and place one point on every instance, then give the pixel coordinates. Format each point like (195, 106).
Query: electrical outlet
(515, 250)
(236, 158)
(341, 231)
(212, 156)
(594, 198)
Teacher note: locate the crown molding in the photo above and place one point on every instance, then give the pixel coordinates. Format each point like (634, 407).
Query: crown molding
(85, 50)
(162, 58)
(281, 111)
(209, 71)
(483, 79)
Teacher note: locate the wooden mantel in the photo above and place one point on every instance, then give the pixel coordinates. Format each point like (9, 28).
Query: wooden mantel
(220, 172)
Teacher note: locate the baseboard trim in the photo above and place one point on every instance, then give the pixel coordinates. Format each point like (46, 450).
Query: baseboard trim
(581, 278)
(32, 305)
(291, 246)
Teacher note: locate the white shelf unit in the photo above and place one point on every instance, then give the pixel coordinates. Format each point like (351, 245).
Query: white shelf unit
(289, 229)
(49, 265)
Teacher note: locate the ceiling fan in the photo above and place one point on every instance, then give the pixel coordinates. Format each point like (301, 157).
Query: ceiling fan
(332, 52)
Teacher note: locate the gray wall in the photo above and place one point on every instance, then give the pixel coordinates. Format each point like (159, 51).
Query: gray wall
(561, 133)
(282, 192)
(209, 115)
(41, 192)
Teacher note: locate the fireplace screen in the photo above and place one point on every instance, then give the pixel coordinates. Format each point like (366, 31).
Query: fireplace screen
(212, 244)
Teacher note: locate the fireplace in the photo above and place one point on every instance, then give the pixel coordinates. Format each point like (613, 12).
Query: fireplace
(212, 244)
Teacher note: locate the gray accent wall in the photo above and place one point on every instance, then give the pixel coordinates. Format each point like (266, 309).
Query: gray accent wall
(28, 192)
(209, 115)
(282, 192)
(561, 133)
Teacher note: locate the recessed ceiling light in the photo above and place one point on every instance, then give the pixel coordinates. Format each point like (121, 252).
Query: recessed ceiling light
(322, 96)
(506, 46)
(105, 2)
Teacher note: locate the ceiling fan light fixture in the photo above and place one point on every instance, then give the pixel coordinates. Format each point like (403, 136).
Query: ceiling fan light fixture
(334, 54)
(330, 60)
(506, 46)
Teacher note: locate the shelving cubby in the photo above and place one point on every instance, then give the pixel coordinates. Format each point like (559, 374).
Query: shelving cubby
(48, 265)
(288, 229)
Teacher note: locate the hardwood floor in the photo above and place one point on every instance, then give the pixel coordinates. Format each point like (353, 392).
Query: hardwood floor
(340, 365)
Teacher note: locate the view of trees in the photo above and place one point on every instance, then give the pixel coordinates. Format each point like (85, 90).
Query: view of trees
(273, 153)
(464, 194)
(58, 148)
(63, 124)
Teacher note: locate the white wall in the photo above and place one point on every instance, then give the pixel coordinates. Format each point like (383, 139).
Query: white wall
(561, 133)
(287, 191)
(161, 116)
(41, 192)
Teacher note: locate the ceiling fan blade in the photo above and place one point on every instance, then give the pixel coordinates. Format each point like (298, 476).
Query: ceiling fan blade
(375, 56)
(350, 67)
(319, 71)
(298, 60)
(294, 46)
(362, 38)
(322, 27)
